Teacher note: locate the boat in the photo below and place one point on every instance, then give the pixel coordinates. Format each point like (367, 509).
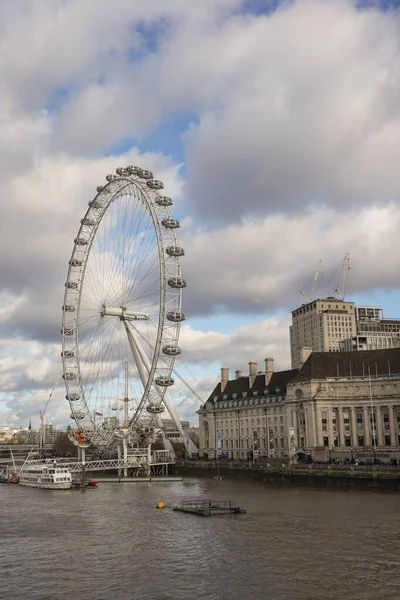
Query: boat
(48, 477)
(14, 478)
(78, 485)
(4, 477)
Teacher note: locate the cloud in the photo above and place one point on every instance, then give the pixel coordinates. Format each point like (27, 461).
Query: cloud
(254, 341)
(260, 266)
(310, 114)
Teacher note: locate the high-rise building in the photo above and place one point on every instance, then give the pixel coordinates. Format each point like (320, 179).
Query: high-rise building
(321, 325)
(374, 332)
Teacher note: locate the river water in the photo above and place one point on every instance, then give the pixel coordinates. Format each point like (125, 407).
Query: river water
(112, 543)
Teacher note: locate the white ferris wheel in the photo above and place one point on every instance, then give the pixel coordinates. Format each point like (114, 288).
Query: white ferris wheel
(122, 308)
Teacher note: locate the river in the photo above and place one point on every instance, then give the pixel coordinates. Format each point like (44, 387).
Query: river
(111, 543)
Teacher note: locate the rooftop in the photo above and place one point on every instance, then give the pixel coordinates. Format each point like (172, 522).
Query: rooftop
(378, 363)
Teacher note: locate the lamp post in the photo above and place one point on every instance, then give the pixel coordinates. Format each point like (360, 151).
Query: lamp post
(238, 418)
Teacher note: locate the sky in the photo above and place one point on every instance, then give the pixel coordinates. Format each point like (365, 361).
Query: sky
(275, 127)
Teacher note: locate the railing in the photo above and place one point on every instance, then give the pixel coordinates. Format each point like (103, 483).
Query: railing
(137, 458)
(207, 504)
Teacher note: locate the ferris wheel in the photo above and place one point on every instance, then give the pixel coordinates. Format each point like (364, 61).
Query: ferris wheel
(122, 305)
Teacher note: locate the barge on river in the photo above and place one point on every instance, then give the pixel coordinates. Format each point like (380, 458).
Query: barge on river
(206, 508)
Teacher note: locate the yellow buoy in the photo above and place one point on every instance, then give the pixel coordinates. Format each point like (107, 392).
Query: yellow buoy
(161, 505)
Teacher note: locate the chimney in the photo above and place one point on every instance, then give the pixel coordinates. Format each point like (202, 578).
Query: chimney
(252, 372)
(238, 374)
(304, 353)
(269, 369)
(224, 378)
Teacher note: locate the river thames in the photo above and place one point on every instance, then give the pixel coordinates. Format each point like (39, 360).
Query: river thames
(112, 543)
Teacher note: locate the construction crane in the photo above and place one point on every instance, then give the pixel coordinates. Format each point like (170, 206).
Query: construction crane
(340, 295)
(318, 272)
(306, 299)
(41, 417)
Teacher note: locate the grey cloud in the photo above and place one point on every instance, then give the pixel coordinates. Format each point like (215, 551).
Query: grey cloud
(315, 119)
(260, 266)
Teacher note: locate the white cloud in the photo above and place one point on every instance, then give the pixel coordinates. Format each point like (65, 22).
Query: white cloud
(261, 265)
(310, 114)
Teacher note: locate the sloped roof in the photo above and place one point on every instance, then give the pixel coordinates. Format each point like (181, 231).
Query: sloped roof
(322, 365)
(279, 380)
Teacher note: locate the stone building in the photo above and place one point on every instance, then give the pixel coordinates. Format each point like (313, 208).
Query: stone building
(246, 416)
(334, 401)
(347, 400)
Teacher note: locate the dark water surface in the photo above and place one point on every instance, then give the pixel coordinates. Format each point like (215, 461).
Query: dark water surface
(112, 543)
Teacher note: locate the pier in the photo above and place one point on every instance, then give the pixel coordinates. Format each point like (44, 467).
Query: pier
(207, 508)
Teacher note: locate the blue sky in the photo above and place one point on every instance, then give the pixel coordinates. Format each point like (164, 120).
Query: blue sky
(247, 111)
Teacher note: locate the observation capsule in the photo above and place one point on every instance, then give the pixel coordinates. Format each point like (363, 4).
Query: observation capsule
(70, 376)
(164, 381)
(144, 174)
(163, 201)
(99, 188)
(88, 222)
(69, 308)
(175, 251)
(176, 282)
(81, 242)
(78, 415)
(76, 262)
(170, 223)
(73, 396)
(155, 184)
(68, 354)
(68, 331)
(71, 285)
(95, 204)
(111, 177)
(155, 409)
(171, 350)
(176, 316)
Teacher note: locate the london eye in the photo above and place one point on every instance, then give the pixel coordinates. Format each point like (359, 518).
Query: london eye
(122, 308)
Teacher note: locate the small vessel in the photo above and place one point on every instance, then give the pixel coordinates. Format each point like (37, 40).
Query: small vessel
(14, 478)
(77, 485)
(48, 477)
(4, 478)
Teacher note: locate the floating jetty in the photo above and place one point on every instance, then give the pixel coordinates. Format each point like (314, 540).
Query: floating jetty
(206, 508)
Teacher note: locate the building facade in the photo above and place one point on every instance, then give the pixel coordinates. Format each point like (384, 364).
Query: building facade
(332, 325)
(321, 325)
(335, 401)
(246, 416)
(374, 332)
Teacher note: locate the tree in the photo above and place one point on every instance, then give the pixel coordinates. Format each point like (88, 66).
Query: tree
(194, 436)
